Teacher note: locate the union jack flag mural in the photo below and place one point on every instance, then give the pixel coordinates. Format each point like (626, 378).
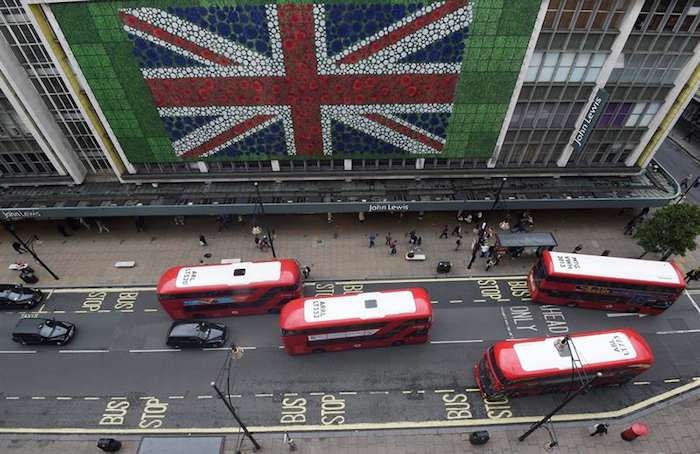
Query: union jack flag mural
(302, 80)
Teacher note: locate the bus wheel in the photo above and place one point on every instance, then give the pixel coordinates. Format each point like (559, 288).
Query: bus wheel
(397, 343)
(318, 350)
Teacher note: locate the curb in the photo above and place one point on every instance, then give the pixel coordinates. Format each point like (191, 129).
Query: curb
(679, 145)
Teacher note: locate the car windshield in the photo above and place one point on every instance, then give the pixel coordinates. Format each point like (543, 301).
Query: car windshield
(203, 331)
(47, 328)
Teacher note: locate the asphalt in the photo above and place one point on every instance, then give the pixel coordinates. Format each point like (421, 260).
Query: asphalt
(337, 252)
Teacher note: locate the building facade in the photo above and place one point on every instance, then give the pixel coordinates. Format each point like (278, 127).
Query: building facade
(193, 90)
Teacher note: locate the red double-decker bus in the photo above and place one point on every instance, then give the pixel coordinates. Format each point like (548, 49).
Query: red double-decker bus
(607, 283)
(360, 320)
(245, 288)
(534, 366)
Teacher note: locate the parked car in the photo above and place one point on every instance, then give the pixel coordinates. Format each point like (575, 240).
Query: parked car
(36, 331)
(196, 334)
(14, 296)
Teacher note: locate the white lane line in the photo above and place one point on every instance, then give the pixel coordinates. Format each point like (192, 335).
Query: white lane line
(146, 397)
(126, 310)
(150, 310)
(347, 393)
(525, 299)
(48, 295)
(81, 311)
(176, 397)
(104, 310)
(456, 301)
(441, 391)
(434, 302)
(480, 301)
(470, 341)
(83, 351)
(420, 391)
(263, 395)
(379, 392)
(104, 289)
(64, 398)
(290, 394)
(248, 348)
(472, 390)
(624, 314)
(204, 397)
(692, 300)
(12, 398)
(215, 349)
(317, 394)
(235, 395)
(156, 350)
(280, 346)
(91, 398)
(406, 392)
(38, 397)
(641, 383)
(505, 320)
(680, 331)
(672, 380)
(117, 398)
(17, 352)
(59, 312)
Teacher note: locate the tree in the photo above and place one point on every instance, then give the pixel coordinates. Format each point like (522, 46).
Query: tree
(671, 230)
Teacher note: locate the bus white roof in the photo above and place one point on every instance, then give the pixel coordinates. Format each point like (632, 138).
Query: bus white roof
(207, 276)
(589, 350)
(614, 267)
(374, 305)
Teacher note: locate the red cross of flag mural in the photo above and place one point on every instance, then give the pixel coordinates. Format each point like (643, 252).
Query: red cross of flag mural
(250, 80)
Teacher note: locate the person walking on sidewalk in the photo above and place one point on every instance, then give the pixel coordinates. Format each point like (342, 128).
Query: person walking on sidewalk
(490, 263)
(203, 241)
(599, 429)
(372, 237)
(685, 182)
(18, 247)
(100, 226)
(693, 275)
(388, 239)
(444, 234)
(306, 271)
(458, 243)
(457, 231)
(392, 248)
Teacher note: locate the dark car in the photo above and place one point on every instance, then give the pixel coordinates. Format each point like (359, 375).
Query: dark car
(14, 296)
(34, 331)
(196, 334)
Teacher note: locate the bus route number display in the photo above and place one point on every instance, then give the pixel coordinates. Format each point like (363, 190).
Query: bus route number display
(568, 263)
(188, 276)
(620, 345)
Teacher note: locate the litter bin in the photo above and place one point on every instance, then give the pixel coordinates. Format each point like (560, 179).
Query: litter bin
(109, 444)
(444, 266)
(28, 276)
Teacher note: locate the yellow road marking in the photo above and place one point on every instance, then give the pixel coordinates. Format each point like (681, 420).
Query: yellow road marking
(103, 289)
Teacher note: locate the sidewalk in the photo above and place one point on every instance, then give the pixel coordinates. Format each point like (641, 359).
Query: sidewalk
(674, 430)
(334, 251)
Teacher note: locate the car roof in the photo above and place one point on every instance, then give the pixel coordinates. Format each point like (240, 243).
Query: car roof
(29, 325)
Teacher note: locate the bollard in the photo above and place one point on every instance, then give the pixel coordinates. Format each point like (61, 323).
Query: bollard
(638, 429)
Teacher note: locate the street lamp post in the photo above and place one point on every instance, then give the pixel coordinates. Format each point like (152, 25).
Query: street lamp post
(12, 232)
(484, 224)
(262, 214)
(235, 416)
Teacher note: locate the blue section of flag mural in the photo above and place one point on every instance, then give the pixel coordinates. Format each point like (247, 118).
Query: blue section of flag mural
(348, 24)
(269, 141)
(244, 24)
(151, 55)
(179, 127)
(347, 141)
(434, 123)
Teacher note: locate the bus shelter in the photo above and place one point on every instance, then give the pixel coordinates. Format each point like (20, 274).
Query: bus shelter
(516, 243)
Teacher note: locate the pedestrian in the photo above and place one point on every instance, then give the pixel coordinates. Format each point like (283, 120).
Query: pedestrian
(629, 227)
(84, 223)
(203, 241)
(388, 239)
(18, 247)
(306, 271)
(693, 275)
(484, 249)
(371, 237)
(62, 230)
(392, 248)
(444, 234)
(100, 226)
(179, 220)
(490, 263)
(577, 249)
(685, 181)
(599, 429)
(458, 243)
(140, 224)
(264, 243)
(457, 231)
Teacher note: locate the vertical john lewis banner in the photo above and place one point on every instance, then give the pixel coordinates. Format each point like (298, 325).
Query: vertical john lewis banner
(589, 121)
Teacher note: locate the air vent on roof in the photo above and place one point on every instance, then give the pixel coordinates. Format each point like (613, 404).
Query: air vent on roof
(370, 304)
(239, 272)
